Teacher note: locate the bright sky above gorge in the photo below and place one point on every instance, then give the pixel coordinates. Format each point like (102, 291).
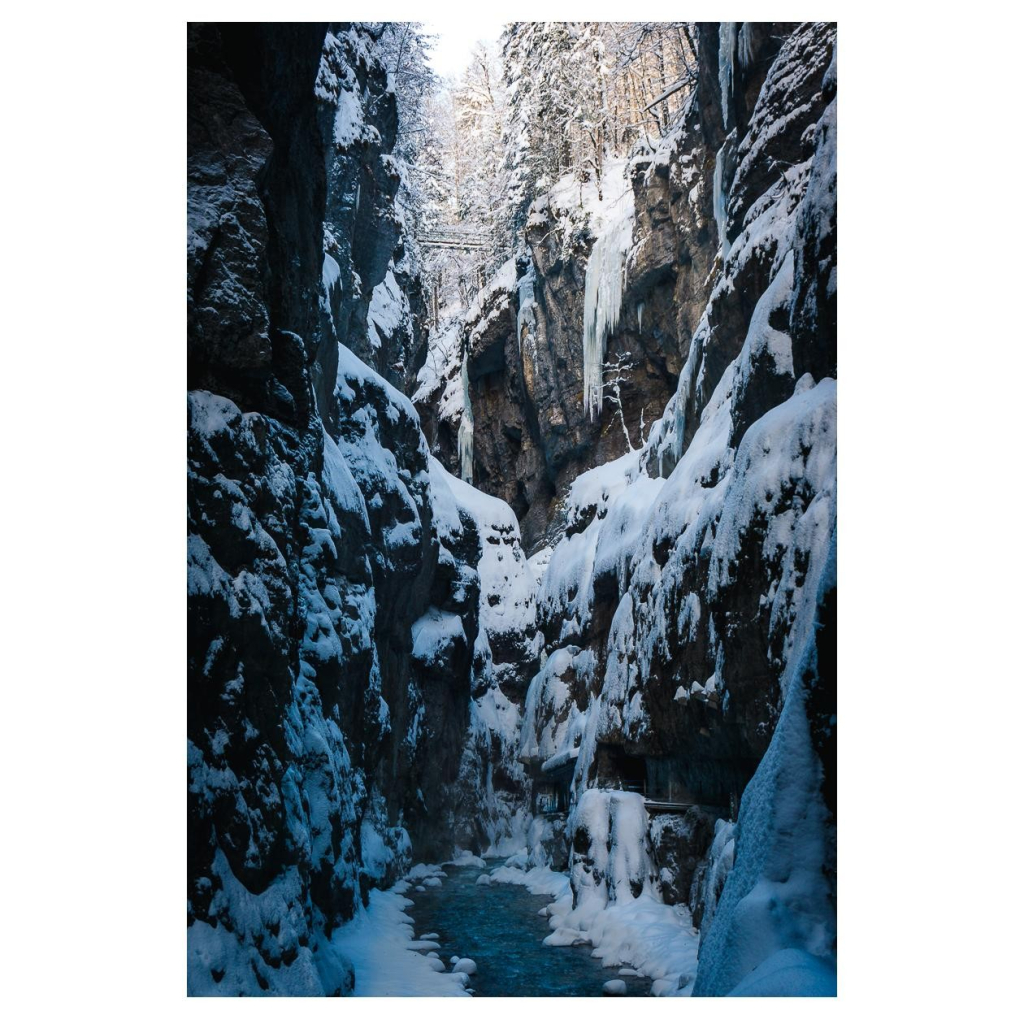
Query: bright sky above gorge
(456, 38)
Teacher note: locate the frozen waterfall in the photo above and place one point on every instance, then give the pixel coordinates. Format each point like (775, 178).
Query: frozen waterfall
(602, 303)
(726, 67)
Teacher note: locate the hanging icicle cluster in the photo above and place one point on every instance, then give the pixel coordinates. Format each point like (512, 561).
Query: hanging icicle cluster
(606, 276)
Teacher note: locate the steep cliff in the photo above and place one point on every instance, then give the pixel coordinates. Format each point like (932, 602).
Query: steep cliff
(351, 613)
(678, 605)
(644, 400)
(521, 344)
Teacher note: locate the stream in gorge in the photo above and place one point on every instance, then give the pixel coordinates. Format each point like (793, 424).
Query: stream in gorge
(501, 928)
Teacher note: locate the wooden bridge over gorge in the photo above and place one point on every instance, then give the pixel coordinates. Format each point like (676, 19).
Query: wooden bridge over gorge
(454, 237)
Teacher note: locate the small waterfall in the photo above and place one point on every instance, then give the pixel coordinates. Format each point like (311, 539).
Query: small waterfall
(466, 426)
(606, 276)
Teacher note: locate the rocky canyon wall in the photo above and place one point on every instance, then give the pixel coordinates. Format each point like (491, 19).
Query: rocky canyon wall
(687, 604)
(354, 613)
(378, 652)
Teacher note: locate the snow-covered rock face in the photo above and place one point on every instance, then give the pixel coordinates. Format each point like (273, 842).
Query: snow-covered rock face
(374, 303)
(373, 658)
(536, 339)
(360, 627)
(490, 796)
(690, 574)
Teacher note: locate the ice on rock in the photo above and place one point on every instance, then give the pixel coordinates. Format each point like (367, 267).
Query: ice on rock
(507, 636)
(617, 865)
(465, 966)
(727, 32)
(466, 426)
(436, 965)
(526, 320)
(721, 181)
(605, 279)
(745, 47)
(615, 987)
(776, 915)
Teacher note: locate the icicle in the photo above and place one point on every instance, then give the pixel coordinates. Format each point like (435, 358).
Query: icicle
(679, 426)
(746, 46)
(602, 301)
(726, 56)
(640, 316)
(466, 426)
(720, 199)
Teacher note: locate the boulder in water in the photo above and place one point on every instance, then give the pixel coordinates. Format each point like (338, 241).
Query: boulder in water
(615, 987)
(466, 966)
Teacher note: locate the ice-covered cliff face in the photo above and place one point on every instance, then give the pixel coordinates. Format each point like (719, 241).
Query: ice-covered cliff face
(359, 626)
(688, 607)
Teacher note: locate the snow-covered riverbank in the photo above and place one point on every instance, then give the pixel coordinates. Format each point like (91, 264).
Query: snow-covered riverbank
(655, 940)
(644, 942)
(377, 942)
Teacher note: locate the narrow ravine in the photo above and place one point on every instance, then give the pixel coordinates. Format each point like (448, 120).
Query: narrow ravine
(502, 928)
(512, 520)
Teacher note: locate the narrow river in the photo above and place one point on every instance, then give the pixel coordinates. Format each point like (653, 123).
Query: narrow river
(501, 928)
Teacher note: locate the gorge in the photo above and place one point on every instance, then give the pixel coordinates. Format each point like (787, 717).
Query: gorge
(539, 581)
